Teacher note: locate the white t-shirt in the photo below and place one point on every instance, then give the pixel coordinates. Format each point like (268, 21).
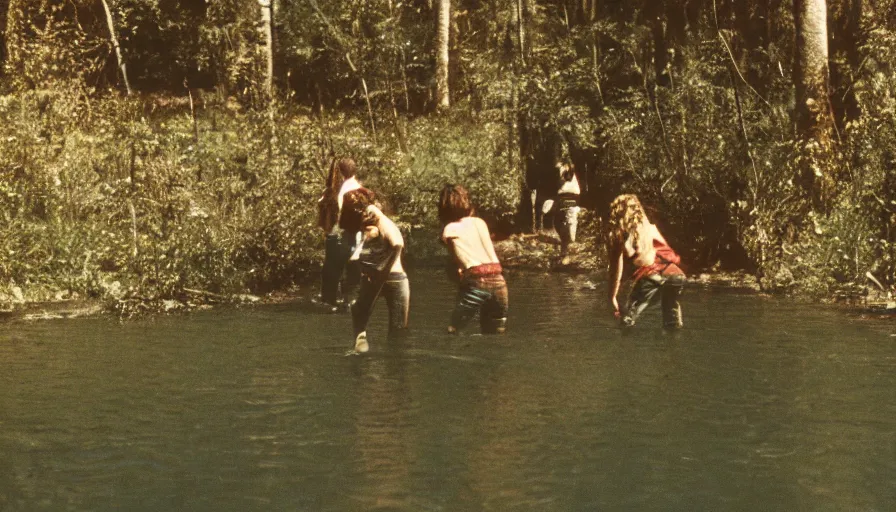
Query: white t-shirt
(569, 187)
(347, 186)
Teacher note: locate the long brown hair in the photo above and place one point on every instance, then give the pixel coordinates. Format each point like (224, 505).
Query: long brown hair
(328, 206)
(626, 213)
(354, 209)
(454, 204)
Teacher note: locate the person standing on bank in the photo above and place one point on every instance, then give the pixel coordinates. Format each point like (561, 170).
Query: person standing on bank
(657, 274)
(566, 208)
(339, 243)
(381, 268)
(482, 285)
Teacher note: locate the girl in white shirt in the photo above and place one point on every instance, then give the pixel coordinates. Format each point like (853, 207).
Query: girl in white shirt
(566, 208)
(339, 245)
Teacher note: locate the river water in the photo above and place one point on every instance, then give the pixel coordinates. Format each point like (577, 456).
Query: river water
(758, 404)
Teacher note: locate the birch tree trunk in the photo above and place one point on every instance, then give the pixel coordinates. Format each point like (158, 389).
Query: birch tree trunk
(267, 34)
(813, 117)
(118, 54)
(443, 34)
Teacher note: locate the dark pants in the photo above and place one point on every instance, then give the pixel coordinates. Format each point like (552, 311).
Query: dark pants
(338, 249)
(486, 295)
(397, 292)
(649, 289)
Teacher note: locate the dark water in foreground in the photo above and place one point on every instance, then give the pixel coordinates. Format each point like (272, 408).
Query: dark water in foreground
(757, 405)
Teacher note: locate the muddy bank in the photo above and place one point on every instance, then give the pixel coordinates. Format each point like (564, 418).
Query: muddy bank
(537, 253)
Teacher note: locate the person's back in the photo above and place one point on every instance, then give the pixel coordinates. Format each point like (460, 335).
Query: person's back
(634, 237)
(471, 241)
(483, 289)
(566, 208)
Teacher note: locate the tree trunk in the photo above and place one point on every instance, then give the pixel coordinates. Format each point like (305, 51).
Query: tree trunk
(4, 8)
(846, 40)
(811, 69)
(118, 54)
(656, 20)
(14, 26)
(676, 30)
(521, 28)
(267, 34)
(443, 32)
(814, 122)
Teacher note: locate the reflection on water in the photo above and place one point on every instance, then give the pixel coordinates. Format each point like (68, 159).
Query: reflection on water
(757, 404)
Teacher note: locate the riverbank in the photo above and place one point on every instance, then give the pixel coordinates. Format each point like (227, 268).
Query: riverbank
(527, 253)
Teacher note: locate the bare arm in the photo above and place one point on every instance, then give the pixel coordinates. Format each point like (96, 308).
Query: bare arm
(614, 253)
(392, 234)
(452, 265)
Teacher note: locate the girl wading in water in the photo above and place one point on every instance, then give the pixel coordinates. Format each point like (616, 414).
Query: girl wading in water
(482, 285)
(657, 275)
(381, 269)
(566, 208)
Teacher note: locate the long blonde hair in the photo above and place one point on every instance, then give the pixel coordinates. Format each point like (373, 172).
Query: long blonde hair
(626, 213)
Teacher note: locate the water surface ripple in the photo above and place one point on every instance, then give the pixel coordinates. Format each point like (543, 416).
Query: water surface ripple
(758, 404)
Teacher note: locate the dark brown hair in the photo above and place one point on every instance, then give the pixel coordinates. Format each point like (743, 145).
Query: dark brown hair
(354, 214)
(347, 167)
(454, 204)
(328, 206)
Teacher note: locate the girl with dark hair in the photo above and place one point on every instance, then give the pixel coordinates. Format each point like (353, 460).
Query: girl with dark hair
(339, 245)
(482, 286)
(381, 269)
(633, 236)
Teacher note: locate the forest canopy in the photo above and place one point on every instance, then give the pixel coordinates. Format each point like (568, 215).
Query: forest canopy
(153, 146)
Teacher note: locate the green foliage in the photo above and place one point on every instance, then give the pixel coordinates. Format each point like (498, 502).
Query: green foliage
(146, 204)
(689, 107)
(452, 149)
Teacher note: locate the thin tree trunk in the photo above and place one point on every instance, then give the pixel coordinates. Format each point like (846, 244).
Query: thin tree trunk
(4, 9)
(656, 19)
(846, 40)
(351, 64)
(118, 54)
(267, 34)
(518, 125)
(404, 81)
(811, 77)
(443, 100)
(193, 116)
(811, 69)
(521, 27)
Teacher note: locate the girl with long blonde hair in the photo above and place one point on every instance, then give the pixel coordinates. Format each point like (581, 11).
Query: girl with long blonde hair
(657, 274)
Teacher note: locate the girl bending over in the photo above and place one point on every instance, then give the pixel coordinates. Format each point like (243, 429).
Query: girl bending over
(381, 269)
(657, 275)
(482, 285)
